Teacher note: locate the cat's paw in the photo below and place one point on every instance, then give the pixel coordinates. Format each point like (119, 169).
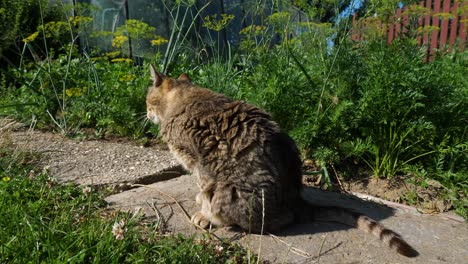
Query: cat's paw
(198, 198)
(199, 219)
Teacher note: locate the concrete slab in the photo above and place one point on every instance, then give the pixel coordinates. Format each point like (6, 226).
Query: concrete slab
(98, 163)
(437, 240)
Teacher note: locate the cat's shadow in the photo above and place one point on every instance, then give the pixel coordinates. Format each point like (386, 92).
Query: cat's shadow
(374, 210)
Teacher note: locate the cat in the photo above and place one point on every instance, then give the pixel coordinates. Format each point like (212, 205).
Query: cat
(247, 169)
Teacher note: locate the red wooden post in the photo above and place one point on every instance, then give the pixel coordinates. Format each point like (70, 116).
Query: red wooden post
(391, 30)
(445, 24)
(420, 24)
(436, 31)
(354, 31)
(380, 28)
(427, 21)
(454, 26)
(463, 22)
(398, 22)
(405, 20)
(435, 25)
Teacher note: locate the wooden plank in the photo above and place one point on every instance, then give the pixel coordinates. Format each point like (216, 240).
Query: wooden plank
(463, 22)
(421, 20)
(380, 27)
(454, 25)
(435, 25)
(405, 20)
(427, 23)
(354, 32)
(398, 22)
(435, 31)
(391, 31)
(445, 24)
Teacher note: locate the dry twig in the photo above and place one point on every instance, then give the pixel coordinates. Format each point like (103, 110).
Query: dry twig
(321, 247)
(187, 216)
(293, 249)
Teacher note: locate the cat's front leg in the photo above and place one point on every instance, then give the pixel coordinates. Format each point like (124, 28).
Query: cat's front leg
(199, 198)
(202, 218)
(199, 219)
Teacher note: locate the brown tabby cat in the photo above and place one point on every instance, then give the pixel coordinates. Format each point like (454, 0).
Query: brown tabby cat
(245, 166)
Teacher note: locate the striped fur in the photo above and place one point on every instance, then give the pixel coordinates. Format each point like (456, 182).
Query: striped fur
(364, 223)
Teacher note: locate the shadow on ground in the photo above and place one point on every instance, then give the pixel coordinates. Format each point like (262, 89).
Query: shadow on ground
(437, 239)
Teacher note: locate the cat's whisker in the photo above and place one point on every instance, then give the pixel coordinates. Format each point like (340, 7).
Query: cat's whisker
(141, 118)
(141, 115)
(143, 124)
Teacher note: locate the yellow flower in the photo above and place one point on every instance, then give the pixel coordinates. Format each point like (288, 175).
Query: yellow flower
(279, 18)
(137, 29)
(122, 60)
(54, 28)
(31, 37)
(97, 34)
(99, 58)
(75, 92)
(254, 30)
(6, 179)
(127, 78)
(79, 20)
(158, 41)
(215, 23)
(118, 41)
(112, 54)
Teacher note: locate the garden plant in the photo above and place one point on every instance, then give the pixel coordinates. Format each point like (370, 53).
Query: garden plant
(383, 108)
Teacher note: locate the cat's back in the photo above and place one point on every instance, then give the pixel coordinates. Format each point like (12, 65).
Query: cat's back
(203, 109)
(228, 135)
(236, 125)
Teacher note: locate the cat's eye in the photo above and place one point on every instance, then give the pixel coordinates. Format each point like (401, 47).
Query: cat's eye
(152, 101)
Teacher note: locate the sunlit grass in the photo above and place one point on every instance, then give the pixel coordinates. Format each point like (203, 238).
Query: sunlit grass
(44, 222)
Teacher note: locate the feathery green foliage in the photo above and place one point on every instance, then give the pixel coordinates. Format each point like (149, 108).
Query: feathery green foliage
(379, 105)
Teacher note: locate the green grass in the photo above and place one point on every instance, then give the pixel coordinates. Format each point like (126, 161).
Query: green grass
(43, 222)
(378, 106)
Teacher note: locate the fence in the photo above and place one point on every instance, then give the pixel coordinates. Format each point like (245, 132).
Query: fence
(165, 16)
(439, 25)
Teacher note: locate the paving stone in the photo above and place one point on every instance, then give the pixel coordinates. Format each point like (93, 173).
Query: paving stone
(438, 240)
(98, 162)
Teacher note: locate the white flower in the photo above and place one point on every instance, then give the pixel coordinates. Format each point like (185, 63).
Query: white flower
(46, 169)
(86, 191)
(118, 230)
(219, 248)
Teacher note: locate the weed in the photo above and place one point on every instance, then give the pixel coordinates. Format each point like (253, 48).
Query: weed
(379, 106)
(41, 221)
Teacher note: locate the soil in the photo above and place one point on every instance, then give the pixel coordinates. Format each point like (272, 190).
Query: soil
(398, 189)
(426, 200)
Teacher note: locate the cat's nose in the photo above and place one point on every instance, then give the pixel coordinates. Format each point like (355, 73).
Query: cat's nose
(153, 117)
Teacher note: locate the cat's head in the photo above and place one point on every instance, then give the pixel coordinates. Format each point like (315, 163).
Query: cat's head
(164, 94)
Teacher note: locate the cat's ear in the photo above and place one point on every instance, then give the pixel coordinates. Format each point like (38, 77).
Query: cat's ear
(156, 76)
(184, 77)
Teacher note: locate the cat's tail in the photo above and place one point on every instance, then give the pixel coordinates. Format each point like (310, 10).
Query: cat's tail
(366, 224)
